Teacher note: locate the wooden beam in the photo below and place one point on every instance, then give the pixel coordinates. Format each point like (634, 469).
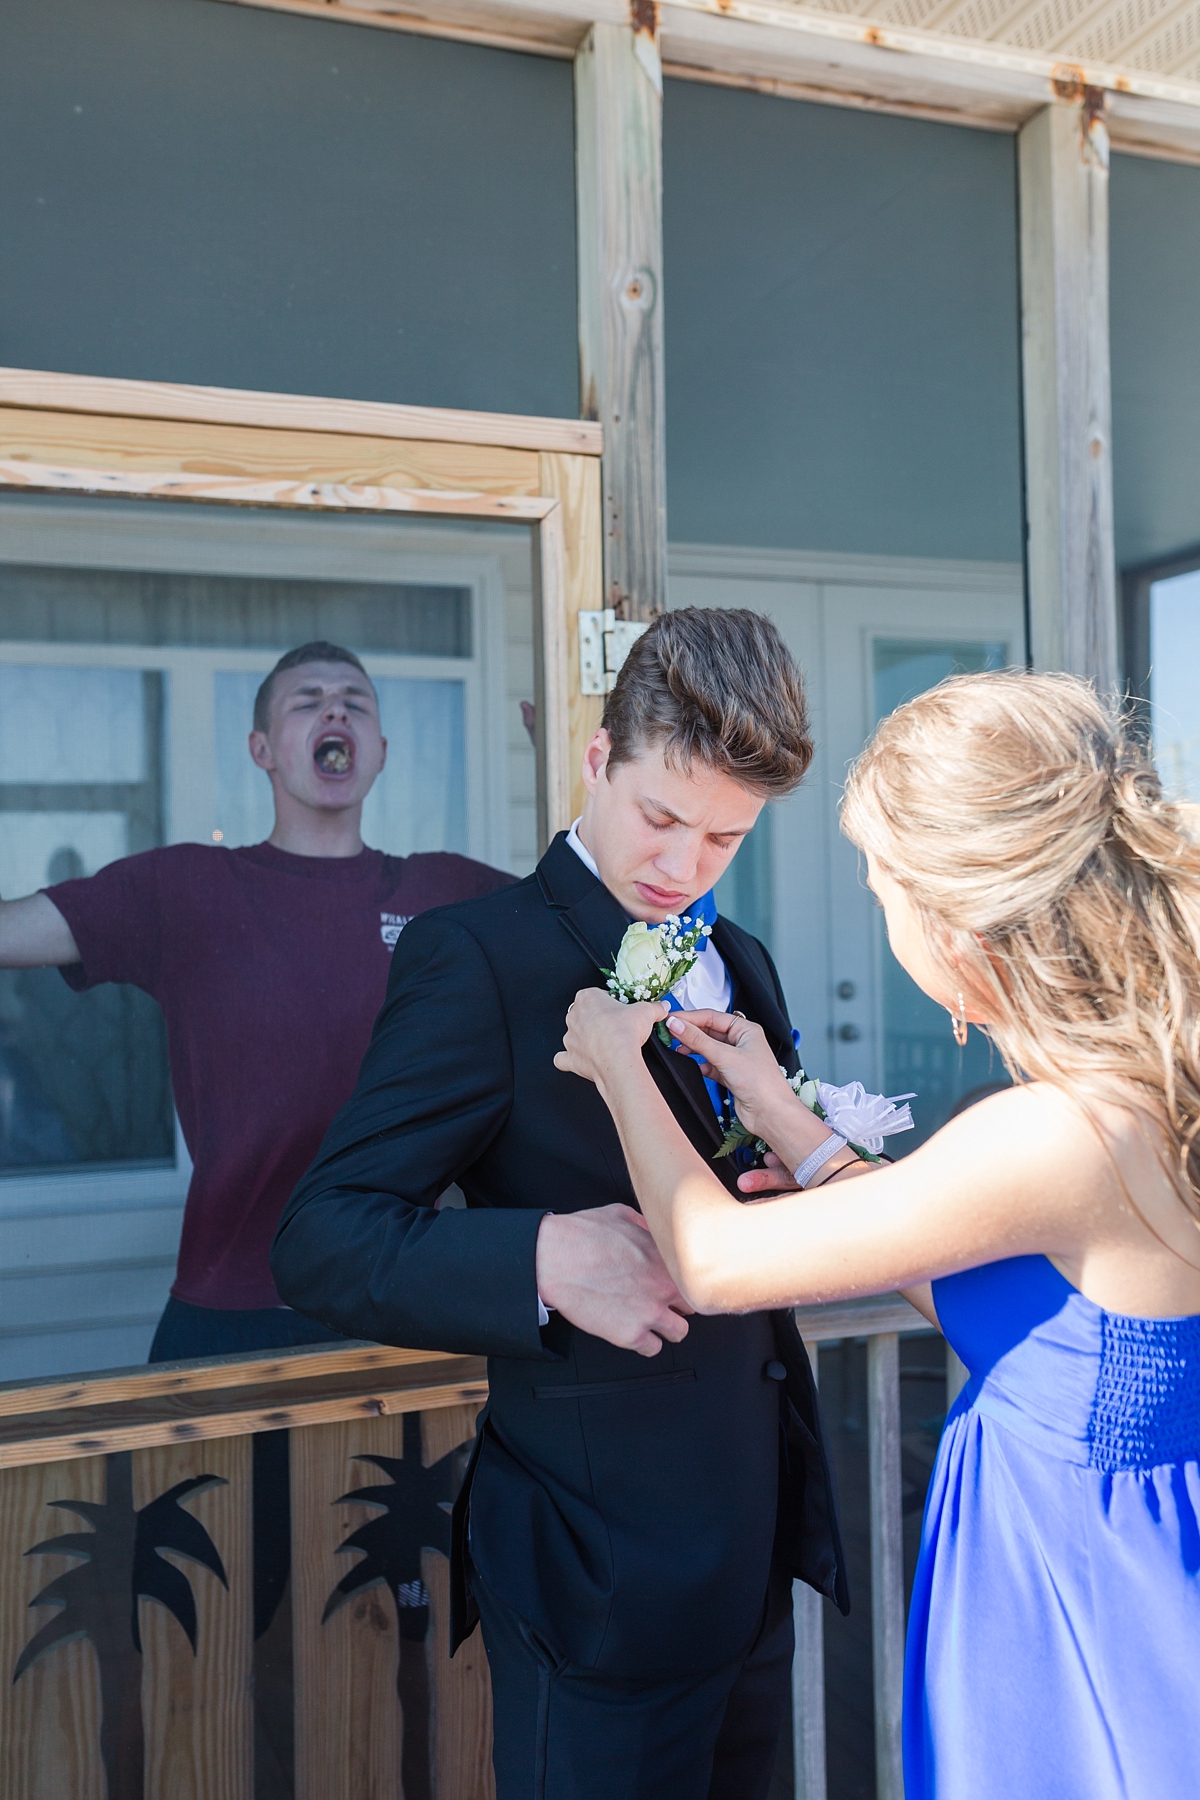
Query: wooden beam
(1063, 173)
(815, 54)
(245, 490)
(292, 412)
(618, 137)
(575, 482)
(117, 441)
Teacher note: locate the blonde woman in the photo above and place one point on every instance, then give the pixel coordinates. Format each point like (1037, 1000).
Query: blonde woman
(1035, 883)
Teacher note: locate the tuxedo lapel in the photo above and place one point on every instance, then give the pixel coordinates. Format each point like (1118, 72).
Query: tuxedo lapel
(584, 906)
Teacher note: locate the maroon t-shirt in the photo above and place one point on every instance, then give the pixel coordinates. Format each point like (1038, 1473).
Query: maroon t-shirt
(270, 969)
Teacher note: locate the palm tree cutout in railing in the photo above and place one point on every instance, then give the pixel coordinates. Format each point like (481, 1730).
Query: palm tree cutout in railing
(415, 1516)
(99, 1600)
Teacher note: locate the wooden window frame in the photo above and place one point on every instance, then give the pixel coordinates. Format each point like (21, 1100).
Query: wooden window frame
(66, 434)
(159, 441)
(1136, 583)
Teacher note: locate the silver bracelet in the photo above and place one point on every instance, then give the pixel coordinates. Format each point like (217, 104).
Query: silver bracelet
(820, 1156)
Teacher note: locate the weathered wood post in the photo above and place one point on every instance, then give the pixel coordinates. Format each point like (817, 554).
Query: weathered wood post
(887, 1560)
(1063, 168)
(809, 1781)
(618, 138)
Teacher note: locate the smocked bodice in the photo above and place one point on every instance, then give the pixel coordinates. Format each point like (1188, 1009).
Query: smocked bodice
(1093, 1387)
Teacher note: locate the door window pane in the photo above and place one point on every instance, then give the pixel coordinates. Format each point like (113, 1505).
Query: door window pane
(71, 725)
(138, 606)
(83, 1077)
(744, 892)
(420, 800)
(919, 1052)
(1175, 682)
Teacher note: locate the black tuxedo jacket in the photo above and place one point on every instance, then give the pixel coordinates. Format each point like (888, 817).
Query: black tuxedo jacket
(625, 1507)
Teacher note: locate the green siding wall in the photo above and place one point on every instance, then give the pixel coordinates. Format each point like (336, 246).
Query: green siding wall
(842, 329)
(205, 193)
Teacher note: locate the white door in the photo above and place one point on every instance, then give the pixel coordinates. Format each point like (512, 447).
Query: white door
(868, 634)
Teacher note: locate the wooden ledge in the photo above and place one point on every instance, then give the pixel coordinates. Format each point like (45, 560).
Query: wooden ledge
(202, 1375)
(53, 1421)
(294, 412)
(869, 1317)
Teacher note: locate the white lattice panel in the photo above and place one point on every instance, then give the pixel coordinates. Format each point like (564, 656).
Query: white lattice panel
(1161, 37)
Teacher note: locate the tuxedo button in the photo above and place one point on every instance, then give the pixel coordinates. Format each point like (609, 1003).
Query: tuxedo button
(774, 1371)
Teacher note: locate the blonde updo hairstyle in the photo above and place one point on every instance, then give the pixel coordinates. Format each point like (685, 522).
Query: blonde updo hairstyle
(1055, 885)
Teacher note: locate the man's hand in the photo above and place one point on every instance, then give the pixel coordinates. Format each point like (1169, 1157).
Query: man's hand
(601, 1269)
(776, 1178)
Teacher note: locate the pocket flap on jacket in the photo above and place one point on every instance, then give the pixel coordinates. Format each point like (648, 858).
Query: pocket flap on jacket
(594, 1390)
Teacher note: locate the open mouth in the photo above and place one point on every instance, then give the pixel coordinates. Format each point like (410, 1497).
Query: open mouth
(334, 756)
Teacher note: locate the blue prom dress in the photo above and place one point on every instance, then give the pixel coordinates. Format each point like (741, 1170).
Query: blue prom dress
(1054, 1636)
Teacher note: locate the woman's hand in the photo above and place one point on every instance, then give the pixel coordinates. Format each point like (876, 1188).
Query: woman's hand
(603, 1037)
(736, 1053)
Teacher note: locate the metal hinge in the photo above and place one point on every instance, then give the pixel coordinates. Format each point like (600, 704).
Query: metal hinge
(604, 643)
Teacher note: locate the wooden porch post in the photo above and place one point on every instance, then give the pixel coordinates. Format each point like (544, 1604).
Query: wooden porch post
(1063, 165)
(618, 137)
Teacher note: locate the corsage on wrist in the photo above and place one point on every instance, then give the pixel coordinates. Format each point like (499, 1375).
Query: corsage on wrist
(858, 1120)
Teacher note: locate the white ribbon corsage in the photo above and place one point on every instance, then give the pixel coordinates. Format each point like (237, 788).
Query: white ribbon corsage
(863, 1119)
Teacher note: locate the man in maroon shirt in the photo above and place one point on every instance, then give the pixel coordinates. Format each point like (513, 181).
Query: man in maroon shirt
(270, 964)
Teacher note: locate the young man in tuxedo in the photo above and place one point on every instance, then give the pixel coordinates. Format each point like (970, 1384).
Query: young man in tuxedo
(644, 1485)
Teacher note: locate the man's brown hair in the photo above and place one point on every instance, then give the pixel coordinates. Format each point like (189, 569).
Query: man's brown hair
(719, 687)
(320, 651)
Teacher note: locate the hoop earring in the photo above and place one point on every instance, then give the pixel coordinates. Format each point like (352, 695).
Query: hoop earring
(959, 1025)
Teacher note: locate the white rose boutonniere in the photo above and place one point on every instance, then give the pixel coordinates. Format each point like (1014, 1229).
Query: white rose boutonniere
(652, 958)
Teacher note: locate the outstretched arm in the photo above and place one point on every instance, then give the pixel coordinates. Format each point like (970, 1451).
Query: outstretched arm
(991, 1184)
(34, 934)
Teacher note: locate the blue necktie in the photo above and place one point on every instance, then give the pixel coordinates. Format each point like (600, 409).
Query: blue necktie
(704, 912)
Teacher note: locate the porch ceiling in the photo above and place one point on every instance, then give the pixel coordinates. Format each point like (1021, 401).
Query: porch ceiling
(1161, 37)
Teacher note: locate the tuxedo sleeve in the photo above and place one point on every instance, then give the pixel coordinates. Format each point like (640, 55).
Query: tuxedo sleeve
(360, 1246)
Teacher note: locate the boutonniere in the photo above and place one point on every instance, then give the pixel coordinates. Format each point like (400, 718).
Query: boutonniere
(652, 958)
(863, 1119)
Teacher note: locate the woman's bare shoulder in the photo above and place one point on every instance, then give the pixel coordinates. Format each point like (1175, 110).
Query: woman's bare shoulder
(1035, 1140)
(1033, 1112)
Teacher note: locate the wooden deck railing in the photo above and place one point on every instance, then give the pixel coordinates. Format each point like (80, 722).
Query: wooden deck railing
(881, 1321)
(105, 1478)
(131, 1660)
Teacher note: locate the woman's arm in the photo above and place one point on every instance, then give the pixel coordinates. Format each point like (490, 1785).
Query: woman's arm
(1007, 1179)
